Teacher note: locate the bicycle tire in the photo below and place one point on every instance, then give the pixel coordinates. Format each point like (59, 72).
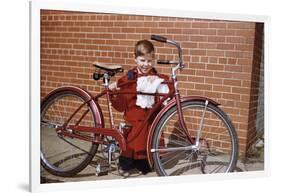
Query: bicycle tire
(61, 155)
(215, 147)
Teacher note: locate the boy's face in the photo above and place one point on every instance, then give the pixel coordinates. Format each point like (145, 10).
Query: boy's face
(145, 63)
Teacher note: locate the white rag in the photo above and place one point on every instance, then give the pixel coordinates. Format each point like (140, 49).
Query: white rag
(149, 84)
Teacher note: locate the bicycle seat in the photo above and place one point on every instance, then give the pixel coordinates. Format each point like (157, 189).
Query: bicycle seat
(109, 68)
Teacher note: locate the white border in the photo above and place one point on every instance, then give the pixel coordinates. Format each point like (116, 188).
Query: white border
(34, 143)
(35, 7)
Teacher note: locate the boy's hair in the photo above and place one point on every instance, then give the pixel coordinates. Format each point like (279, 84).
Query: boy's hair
(143, 47)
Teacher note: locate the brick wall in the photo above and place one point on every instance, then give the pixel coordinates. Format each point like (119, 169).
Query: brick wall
(256, 114)
(219, 55)
(260, 108)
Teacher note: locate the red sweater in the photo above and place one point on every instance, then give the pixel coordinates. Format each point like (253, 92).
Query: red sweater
(134, 114)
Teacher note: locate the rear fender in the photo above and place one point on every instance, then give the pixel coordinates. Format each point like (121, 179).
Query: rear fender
(171, 104)
(87, 97)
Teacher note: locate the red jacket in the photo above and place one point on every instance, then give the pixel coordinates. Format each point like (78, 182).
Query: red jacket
(133, 114)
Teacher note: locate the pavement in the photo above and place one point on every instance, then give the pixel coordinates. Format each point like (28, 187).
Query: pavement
(254, 162)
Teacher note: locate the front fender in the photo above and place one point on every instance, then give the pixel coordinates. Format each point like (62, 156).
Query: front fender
(171, 104)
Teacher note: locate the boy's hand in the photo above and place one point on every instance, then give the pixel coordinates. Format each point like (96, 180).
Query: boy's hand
(113, 86)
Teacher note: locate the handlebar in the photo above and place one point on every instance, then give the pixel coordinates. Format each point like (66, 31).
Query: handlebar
(158, 38)
(167, 62)
(174, 43)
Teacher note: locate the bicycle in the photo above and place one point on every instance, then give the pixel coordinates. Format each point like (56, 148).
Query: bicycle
(188, 135)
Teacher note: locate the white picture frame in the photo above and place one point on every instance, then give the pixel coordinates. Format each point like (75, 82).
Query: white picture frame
(35, 7)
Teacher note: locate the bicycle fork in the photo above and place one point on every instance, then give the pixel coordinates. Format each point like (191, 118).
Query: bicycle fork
(196, 144)
(201, 126)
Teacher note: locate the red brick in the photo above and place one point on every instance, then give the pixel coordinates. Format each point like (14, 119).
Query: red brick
(183, 24)
(213, 95)
(241, 25)
(216, 39)
(189, 31)
(217, 53)
(174, 31)
(197, 38)
(215, 67)
(231, 82)
(235, 40)
(233, 68)
(243, 47)
(213, 81)
(231, 96)
(240, 90)
(224, 32)
(166, 24)
(203, 86)
(200, 24)
(225, 46)
(198, 52)
(217, 25)
(208, 32)
(223, 88)
(207, 45)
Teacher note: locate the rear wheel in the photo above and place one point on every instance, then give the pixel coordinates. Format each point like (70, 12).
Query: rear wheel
(174, 154)
(62, 155)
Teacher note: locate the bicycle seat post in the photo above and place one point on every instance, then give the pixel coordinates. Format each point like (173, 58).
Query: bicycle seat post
(106, 78)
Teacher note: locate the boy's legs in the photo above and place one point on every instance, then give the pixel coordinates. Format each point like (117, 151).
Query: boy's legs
(139, 147)
(126, 163)
(136, 155)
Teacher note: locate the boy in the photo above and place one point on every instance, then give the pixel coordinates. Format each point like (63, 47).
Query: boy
(136, 156)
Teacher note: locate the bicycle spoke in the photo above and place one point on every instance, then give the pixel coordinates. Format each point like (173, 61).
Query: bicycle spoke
(188, 158)
(179, 137)
(217, 169)
(77, 147)
(173, 158)
(180, 143)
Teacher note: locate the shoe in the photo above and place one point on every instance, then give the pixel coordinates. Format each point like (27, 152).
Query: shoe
(143, 166)
(124, 173)
(130, 173)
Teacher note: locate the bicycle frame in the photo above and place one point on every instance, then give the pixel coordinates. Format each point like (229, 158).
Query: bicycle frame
(113, 131)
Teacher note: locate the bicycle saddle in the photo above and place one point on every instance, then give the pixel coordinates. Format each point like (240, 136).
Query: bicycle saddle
(109, 68)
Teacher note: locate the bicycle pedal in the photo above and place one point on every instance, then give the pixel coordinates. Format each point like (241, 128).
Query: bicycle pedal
(102, 173)
(101, 170)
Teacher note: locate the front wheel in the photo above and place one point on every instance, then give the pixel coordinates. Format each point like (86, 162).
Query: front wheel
(217, 148)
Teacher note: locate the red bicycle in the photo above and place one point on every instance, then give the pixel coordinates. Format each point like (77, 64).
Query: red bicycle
(188, 135)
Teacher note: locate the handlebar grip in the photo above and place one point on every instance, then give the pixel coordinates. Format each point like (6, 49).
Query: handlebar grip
(163, 61)
(159, 38)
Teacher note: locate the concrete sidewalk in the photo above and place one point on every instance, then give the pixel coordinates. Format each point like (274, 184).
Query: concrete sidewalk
(253, 163)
